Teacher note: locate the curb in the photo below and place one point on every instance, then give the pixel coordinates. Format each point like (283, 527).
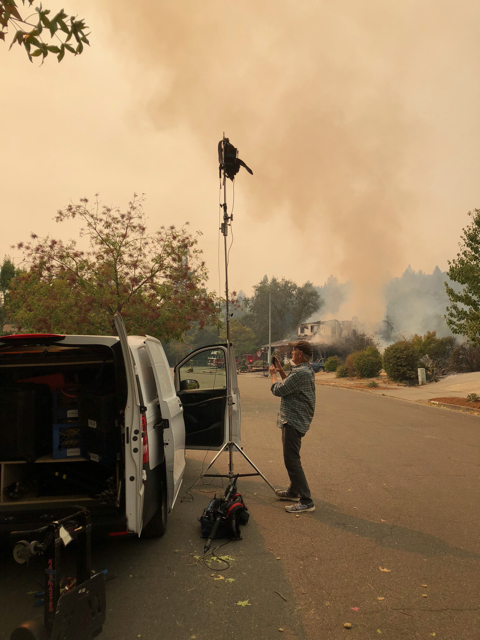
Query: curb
(454, 407)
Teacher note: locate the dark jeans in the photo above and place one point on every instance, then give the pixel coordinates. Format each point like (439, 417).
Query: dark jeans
(292, 441)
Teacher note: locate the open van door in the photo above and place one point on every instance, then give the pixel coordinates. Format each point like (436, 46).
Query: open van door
(134, 473)
(172, 418)
(201, 384)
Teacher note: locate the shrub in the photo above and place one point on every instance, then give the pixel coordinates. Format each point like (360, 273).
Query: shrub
(350, 363)
(342, 371)
(243, 365)
(430, 345)
(400, 362)
(465, 358)
(332, 363)
(473, 397)
(372, 384)
(368, 363)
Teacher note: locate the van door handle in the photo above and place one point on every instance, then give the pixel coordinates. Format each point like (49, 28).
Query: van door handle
(163, 424)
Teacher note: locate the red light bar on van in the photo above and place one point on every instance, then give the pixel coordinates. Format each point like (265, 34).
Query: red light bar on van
(32, 338)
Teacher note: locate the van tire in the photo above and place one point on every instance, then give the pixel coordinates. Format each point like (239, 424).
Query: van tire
(158, 524)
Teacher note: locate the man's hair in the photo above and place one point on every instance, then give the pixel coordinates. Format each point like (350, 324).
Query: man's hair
(305, 347)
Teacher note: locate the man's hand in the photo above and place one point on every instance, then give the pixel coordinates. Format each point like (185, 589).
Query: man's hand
(279, 368)
(273, 373)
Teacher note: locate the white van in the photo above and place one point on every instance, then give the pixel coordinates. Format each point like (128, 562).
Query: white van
(99, 422)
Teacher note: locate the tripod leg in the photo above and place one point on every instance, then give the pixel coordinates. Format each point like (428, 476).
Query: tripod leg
(252, 464)
(218, 454)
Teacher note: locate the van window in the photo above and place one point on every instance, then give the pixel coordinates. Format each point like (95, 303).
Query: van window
(207, 368)
(148, 379)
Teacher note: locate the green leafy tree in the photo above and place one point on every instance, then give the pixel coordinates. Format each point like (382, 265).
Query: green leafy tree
(63, 34)
(463, 314)
(243, 338)
(155, 280)
(7, 272)
(291, 305)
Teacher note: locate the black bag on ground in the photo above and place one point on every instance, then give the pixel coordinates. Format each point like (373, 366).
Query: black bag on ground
(233, 513)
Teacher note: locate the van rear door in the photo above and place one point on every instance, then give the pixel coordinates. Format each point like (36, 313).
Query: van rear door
(201, 384)
(172, 418)
(134, 473)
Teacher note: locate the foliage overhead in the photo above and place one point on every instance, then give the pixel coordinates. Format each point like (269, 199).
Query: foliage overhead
(463, 314)
(291, 304)
(155, 280)
(63, 34)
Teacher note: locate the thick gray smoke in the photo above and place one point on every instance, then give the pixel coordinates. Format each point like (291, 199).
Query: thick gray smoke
(318, 93)
(414, 303)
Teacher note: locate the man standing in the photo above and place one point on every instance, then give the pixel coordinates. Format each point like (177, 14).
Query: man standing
(297, 406)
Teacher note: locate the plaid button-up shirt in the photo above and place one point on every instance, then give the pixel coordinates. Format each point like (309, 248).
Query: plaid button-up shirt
(297, 393)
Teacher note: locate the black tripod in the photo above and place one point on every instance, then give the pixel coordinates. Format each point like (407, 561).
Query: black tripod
(229, 165)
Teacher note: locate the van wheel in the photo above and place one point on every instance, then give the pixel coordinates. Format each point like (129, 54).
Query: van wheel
(158, 524)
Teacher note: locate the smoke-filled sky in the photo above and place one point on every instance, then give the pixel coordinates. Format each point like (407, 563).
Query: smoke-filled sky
(359, 120)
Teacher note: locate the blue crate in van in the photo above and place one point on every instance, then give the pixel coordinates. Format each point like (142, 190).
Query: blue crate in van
(66, 440)
(64, 410)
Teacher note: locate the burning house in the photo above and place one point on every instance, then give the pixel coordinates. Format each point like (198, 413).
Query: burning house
(328, 330)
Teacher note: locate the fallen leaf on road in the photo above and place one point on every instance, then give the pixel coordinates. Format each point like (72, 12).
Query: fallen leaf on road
(424, 595)
(380, 598)
(382, 569)
(347, 625)
(354, 608)
(382, 520)
(424, 585)
(378, 631)
(433, 634)
(244, 603)
(327, 604)
(229, 579)
(280, 629)
(219, 578)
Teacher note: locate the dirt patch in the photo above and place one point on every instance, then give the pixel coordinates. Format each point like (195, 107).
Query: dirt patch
(459, 402)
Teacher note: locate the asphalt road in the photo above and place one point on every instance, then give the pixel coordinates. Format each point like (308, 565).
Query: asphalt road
(396, 488)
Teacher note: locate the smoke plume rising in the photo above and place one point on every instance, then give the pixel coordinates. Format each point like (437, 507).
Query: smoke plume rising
(316, 97)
